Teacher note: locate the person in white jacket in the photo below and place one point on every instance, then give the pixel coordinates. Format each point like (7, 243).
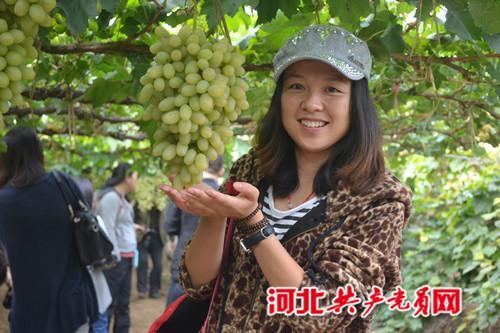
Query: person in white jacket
(118, 216)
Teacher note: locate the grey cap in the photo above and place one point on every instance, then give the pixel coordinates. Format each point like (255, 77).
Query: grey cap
(330, 44)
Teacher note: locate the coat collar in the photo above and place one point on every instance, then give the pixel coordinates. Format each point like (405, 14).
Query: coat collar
(341, 201)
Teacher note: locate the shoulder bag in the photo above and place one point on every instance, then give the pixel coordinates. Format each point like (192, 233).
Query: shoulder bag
(94, 247)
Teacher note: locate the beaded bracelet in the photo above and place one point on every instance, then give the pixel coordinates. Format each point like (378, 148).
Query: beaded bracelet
(247, 219)
(248, 230)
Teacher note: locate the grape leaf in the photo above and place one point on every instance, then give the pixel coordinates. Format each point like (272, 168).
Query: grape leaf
(110, 5)
(486, 14)
(77, 13)
(459, 20)
(267, 9)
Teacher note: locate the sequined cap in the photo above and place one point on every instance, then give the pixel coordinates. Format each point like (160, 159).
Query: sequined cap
(331, 44)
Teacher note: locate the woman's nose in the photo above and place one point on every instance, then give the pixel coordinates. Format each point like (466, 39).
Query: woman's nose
(312, 102)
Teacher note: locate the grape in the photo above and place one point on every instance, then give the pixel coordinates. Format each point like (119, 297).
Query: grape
(159, 84)
(169, 152)
(168, 71)
(185, 112)
(194, 87)
(148, 194)
(159, 148)
(166, 104)
(171, 117)
(206, 103)
(37, 13)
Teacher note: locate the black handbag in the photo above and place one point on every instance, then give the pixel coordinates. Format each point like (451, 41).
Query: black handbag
(94, 247)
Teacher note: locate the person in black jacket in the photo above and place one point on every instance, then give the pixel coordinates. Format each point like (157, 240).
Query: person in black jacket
(182, 224)
(150, 245)
(53, 291)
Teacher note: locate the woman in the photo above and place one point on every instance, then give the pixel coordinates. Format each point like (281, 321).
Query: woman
(118, 216)
(317, 170)
(53, 292)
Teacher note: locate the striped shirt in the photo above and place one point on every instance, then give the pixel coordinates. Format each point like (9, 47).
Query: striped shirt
(283, 220)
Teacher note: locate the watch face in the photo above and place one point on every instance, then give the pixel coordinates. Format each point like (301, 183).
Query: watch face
(268, 231)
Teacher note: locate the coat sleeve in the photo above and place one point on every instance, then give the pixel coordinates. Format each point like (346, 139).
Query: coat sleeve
(365, 255)
(108, 208)
(172, 224)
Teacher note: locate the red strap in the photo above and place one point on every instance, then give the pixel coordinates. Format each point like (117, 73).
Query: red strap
(225, 254)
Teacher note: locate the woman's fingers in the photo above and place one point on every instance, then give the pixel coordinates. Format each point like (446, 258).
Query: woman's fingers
(247, 191)
(174, 195)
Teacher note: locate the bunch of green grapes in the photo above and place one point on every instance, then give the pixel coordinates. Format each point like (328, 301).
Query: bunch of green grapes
(148, 195)
(19, 22)
(194, 91)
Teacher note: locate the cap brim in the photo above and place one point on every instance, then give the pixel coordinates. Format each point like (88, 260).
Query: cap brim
(343, 67)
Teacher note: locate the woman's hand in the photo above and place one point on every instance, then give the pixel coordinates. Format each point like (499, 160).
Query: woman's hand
(202, 200)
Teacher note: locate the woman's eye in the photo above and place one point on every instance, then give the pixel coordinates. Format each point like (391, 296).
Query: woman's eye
(332, 90)
(295, 86)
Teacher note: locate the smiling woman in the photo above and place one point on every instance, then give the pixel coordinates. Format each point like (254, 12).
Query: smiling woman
(316, 208)
(315, 106)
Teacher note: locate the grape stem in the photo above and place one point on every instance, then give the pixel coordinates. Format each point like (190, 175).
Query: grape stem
(149, 26)
(195, 14)
(220, 13)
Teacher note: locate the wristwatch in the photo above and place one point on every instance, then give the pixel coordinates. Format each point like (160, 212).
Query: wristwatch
(250, 241)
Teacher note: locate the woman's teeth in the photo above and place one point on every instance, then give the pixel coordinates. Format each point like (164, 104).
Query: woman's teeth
(313, 123)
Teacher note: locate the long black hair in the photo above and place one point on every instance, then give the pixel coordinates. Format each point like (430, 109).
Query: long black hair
(357, 158)
(122, 171)
(23, 162)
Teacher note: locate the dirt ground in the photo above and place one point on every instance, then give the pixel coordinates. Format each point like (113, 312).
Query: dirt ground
(143, 311)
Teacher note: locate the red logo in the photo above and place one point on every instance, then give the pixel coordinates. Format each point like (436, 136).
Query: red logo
(345, 298)
(446, 300)
(309, 297)
(281, 300)
(398, 301)
(374, 298)
(422, 302)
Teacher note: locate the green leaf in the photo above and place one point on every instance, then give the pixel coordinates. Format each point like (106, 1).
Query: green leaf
(435, 281)
(110, 5)
(392, 39)
(172, 4)
(425, 10)
(490, 250)
(140, 64)
(77, 13)
(281, 29)
(459, 20)
(267, 9)
(230, 7)
(470, 267)
(486, 14)
(349, 11)
(102, 91)
(482, 205)
(208, 9)
(130, 26)
(493, 41)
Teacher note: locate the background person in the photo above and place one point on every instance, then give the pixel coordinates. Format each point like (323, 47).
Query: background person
(53, 292)
(118, 216)
(150, 245)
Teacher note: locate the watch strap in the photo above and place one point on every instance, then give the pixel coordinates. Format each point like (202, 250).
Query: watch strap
(248, 242)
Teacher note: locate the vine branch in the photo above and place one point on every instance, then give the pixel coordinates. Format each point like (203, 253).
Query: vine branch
(78, 112)
(40, 94)
(116, 135)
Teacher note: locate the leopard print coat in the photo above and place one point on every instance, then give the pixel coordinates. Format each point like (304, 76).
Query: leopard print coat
(364, 252)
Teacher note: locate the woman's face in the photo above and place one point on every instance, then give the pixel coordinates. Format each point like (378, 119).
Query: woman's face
(132, 181)
(315, 106)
